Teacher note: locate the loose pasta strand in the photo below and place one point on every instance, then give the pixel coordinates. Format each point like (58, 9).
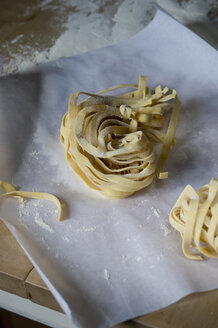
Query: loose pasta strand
(12, 192)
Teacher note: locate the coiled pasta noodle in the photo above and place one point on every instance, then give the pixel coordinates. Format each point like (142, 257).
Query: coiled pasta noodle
(10, 191)
(108, 139)
(195, 216)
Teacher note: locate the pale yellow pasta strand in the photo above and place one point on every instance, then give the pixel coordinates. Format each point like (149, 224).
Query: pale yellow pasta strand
(12, 192)
(195, 216)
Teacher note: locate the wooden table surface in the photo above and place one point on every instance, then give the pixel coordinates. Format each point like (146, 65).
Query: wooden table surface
(18, 276)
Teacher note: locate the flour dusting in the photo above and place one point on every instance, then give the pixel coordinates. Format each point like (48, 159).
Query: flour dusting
(165, 229)
(42, 223)
(65, 238)
(36, 202)
(23, 210)
(86, 229)
(81, 25)
(106, 274)
(155, 211)
(34, 154)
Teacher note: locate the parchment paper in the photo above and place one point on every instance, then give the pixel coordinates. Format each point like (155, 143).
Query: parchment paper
(109, 261)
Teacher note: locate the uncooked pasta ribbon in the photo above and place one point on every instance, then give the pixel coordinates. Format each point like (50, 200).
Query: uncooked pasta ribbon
(109, 139)
(10, 191)
(195, 216)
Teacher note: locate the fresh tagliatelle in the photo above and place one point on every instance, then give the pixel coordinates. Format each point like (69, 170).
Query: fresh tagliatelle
(195, 216)
(10, 191)
(109, 139)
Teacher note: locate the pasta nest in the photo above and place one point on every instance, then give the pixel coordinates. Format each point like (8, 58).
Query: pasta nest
(109, 139)
(195, 216)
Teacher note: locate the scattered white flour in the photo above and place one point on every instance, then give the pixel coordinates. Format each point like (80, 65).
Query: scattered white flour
(141, 203)
(17, 38)
(82, 25)
(106, 274)
(124, 280)
(21, 207)
(138, 258)
(86, 229)
(36, 202)
(155, 211)
(23, 211)
(34, 154)
(29, 210)
(42, 223)
(144, 201)
(165, 229)
(55, 159)
(124, 258)
(65, 238)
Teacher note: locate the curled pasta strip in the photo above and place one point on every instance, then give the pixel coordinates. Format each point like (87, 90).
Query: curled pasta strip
(10, 191)
(195, 216)
(109, 139)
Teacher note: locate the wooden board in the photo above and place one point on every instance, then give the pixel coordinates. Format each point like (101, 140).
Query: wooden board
(198, 310)
(39, 293)
(14, 264)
